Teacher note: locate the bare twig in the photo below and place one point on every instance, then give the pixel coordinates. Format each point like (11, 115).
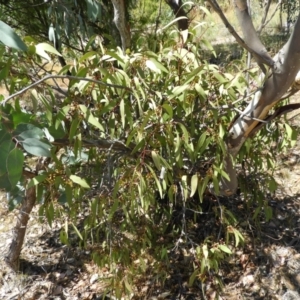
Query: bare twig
(63, 77)
(263, 20)
(265, 23)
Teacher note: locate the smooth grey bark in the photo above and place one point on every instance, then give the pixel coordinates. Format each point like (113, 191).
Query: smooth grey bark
(280, 78)
(251, 38)
(256, 52)
(121, 23)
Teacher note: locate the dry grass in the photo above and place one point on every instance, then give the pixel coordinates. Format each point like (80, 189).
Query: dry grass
(210, 26)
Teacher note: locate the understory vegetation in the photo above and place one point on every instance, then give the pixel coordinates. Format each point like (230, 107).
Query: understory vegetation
(127, 151)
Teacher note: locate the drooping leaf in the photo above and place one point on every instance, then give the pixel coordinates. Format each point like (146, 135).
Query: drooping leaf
(156, 160)
(41, 49)
(155, 66)
(5, 148)
(225, 249)
(93, 10)
(194, 184)
(9, 38)
(14, 165)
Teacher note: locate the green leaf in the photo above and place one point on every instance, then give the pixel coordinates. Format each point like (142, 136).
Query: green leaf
(21, 117)
(202, 187)
(93, 10)
(42, 47)
(200, 90)
(168, 108)
(179, 89)
(184, 186)
(9, 38)
(36, 147)
(209, 46)
(90, 118)
(5, 148)
(291, 133)
(113, 55)
(155, 66)
(49, 212)
(225, 249)
(201, 141)
(14, 164)
(5, 136)
(238, 237)
(193, 277)
(194, 184)
(127, 285)
(74, 128)
(156, 181)
(80, 181)
(193, 74)
(86, 56)
(4, 71)
(140, 145)
(272, 185)
(122, 112)
(77, 231)
(29, 131)
(156, 160)
(36, 180)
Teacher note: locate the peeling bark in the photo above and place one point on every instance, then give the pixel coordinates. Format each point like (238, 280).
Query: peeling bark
(121, 23)
(13, 254)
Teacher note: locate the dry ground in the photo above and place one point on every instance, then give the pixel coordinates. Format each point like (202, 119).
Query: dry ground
(267, 267)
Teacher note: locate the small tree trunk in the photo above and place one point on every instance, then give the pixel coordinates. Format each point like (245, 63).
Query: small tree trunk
(121, 23)
(176, 6)
(12, 257)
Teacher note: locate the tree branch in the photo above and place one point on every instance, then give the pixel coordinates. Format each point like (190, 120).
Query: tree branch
(283, 76)
(250, 36)
(100, 143)
(258, 56)
(63, 77)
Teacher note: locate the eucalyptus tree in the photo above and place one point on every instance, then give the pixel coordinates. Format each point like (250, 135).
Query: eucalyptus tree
(137, 129)
(277, 83)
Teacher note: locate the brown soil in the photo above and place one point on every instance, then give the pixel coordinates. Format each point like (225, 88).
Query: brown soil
(266, 267)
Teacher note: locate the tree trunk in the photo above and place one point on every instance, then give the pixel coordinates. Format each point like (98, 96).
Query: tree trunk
(275, 83)
(176, 6)
(121, 23)
(12, 257)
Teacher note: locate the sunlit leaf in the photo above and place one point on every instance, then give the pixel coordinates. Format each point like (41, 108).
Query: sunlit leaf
(43, 47)
(194, 184)
(80, 181)
(156, 160)
(155, 66)
(225, 249)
